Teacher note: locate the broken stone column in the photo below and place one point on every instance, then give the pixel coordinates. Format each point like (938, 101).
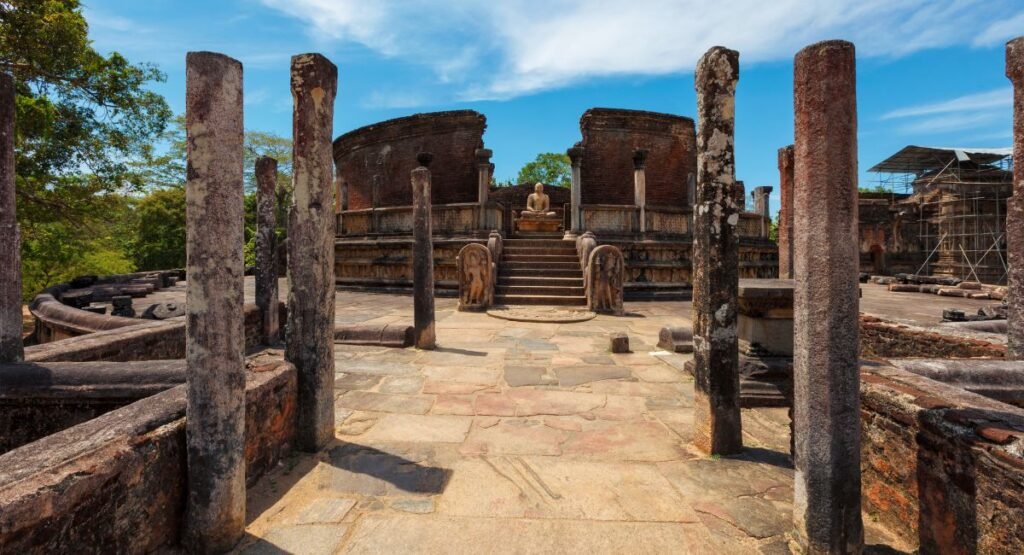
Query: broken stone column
(716, 259)
(310, 330)
(214, 333)
(640, 185)
(576, 160)
(266, 246)
(12, 348)
(483, 167)
(1015, 205)
(786, 212)
(422, 255)
(826, 379)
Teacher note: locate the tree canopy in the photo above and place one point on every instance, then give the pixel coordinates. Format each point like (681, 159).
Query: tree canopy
(550, 168)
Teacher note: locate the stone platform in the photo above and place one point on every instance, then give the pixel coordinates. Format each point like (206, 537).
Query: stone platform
(519, 437)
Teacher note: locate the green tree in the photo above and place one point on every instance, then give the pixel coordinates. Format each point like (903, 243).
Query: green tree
(160, 230)
(549, 168)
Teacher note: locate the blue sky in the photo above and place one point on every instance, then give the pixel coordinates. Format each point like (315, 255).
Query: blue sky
(930, 72)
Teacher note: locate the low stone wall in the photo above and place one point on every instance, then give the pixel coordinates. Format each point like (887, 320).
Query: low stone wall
(37, 400)
(941, 467)
(117, 483)
(446, 220)
(148, 340)
(385, 265)
(881, 339)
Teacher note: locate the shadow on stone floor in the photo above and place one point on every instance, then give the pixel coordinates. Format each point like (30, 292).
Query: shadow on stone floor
(457, 351)
(370, 471)
(764, 456)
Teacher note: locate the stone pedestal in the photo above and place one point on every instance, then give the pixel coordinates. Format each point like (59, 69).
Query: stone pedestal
(716, 259)
(826, 403)
(214, 333)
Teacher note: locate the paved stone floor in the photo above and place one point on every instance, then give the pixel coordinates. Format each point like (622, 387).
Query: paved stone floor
(519, 437)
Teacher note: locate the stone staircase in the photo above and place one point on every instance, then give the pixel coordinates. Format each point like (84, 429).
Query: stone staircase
(539, 269)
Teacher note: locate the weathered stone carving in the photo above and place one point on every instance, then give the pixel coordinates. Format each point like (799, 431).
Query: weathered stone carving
(604, 278)
(476, 277)
(585, 244)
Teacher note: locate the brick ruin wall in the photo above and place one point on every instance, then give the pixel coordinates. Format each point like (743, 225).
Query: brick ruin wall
(386, 151)
(941, 467)
(609, 138)
(882, 339)
(889, 242)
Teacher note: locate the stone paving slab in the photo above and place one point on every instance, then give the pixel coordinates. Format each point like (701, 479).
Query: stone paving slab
(524, 438)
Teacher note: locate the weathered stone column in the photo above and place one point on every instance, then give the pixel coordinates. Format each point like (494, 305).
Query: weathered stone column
(740, 195)
(576, 159)
(483, 167)
(422, 255)
(266, 247)
(11, 347)
(716, 259)
(761, 195)
(640, 185)
(826, 379)
(310, 331)
(786, 212)
(1015, 205)
(214, 332)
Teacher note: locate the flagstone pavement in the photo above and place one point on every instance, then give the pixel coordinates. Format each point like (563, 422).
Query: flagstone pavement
(516, 437)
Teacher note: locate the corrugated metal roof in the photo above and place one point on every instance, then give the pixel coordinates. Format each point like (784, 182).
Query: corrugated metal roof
(917, 159)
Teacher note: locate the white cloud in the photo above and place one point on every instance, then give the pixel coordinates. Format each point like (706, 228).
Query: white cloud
(501, 49)
(948, 123)
(999, 98)
(1000, 31)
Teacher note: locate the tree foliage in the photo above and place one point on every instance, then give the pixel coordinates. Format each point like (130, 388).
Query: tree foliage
(549, 168)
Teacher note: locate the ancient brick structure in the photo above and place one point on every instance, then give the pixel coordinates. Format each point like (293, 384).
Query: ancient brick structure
(387, 151)
(610, 137)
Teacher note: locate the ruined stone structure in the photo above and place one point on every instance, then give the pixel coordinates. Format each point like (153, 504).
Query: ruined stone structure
(716, 259)
(476, 277)
(604, 280)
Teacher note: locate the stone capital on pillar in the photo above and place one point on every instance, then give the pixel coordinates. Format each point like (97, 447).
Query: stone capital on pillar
(575, 154)
(640, 158)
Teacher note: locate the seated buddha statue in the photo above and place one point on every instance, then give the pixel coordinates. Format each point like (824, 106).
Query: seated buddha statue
(538, 205)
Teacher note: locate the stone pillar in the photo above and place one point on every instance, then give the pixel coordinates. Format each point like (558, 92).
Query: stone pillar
(826, 379)
(786, 212)
(576, 159)
(761, 195)
(640, 185)
(483, 167)
(716, 259)
(11, 347)
(310, 331)
(1015, 205)
(741, 196)
(266, 247)
(422, 255)
(214, 332)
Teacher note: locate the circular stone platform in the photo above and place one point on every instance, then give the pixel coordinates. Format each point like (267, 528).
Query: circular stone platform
(548, 314)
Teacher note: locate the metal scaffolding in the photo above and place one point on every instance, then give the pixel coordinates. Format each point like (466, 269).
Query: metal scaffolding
(959, 198)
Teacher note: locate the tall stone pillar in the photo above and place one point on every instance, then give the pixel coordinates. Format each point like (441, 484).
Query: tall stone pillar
(266, 247)
(576, 160)
(214, 333)
(1015, 205)
(422, 255)
(716, 259)
(483, 167)
(640, 185)
(786, 212)
(11, 347)
(310, 332)
(761, 195)
(740, 195)
(826, 378)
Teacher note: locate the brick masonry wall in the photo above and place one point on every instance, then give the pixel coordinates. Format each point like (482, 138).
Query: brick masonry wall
(881, 339)
(117, 483)
(609, 139)
(941, 467)
(148, 341)
(388, 150)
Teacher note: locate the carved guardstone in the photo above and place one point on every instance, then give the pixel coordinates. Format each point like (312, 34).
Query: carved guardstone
(476, 277)
(604, 278)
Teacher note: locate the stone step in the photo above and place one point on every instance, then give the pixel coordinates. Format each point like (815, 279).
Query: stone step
(560, 300)
(532, 271)
(538, 235)
(561, 251)
(531, 280)
(560, 258)
(539, 244)
(517, 265)
(539, 290)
